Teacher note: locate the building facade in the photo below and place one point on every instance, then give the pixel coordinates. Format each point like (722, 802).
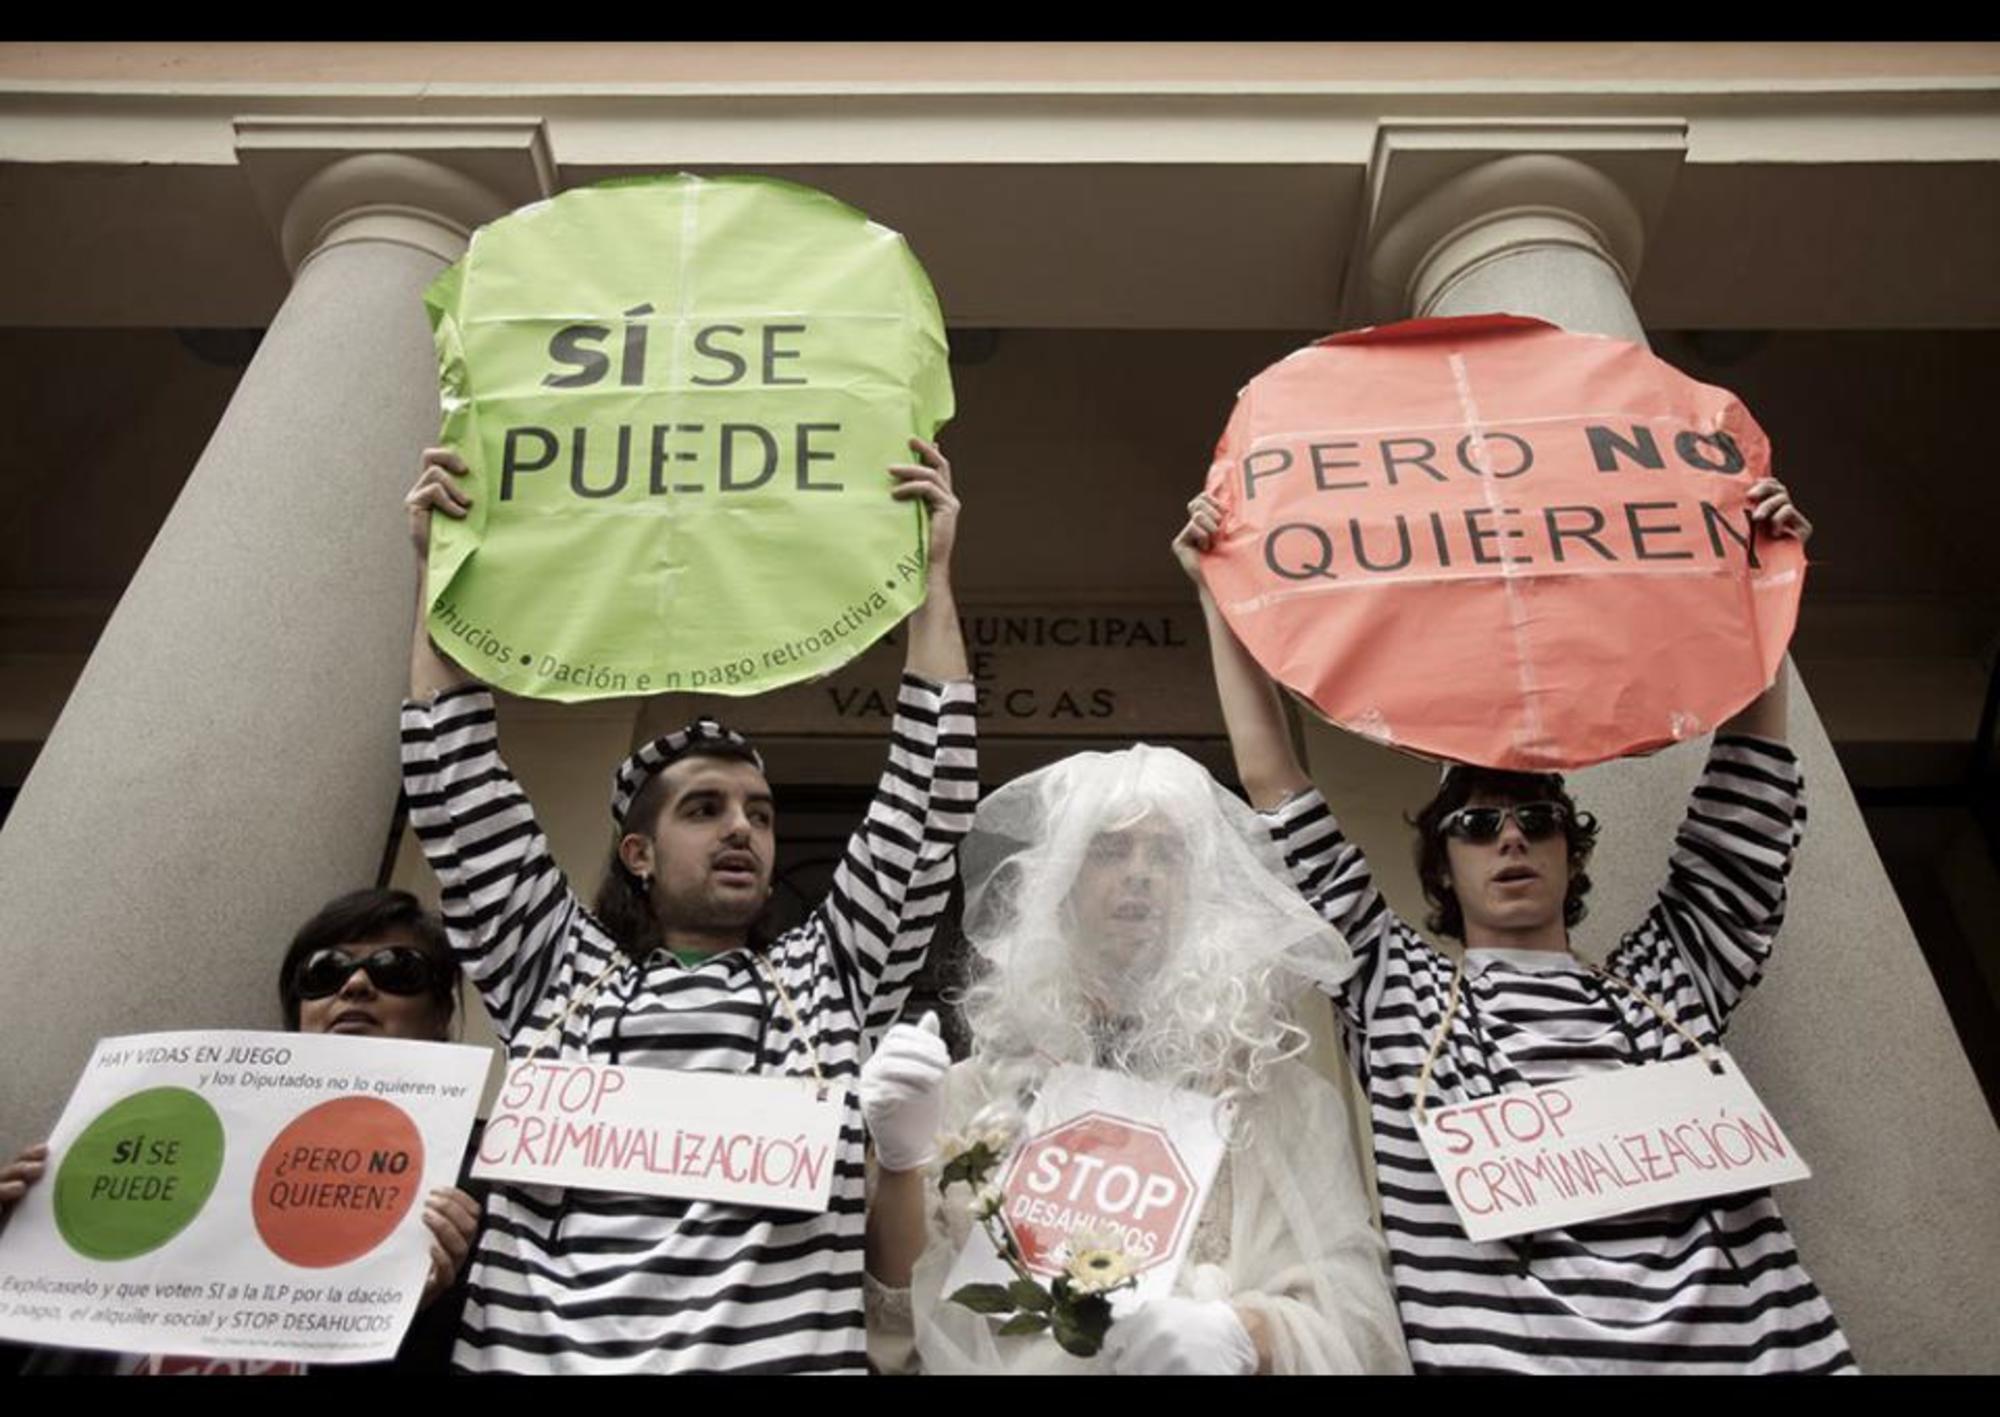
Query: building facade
(219, 375)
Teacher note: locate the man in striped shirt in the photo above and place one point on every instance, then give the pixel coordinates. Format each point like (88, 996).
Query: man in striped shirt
(1712, 1286)
(669, 973)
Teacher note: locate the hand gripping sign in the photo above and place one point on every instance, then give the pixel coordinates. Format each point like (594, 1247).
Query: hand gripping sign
(1491, 540)
(1109, 1161)
(678, 397)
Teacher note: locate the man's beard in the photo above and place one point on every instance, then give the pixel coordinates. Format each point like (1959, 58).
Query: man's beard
(705, 913)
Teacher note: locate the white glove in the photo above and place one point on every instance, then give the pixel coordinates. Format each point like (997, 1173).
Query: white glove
(902, 1094)
(1173, 1335)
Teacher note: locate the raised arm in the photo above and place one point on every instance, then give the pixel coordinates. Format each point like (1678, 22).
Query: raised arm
(1328, 869)
(1766, 716)
(1724, 897)
(1772, 514)
(1259, 737)
(895, 877)
(937, 649)
(437, 489)
(506, 906)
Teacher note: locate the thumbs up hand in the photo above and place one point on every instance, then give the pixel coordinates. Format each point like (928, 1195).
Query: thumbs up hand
(902, 1094)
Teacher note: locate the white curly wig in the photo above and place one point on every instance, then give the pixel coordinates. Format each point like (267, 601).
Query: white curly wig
(1206, 1003)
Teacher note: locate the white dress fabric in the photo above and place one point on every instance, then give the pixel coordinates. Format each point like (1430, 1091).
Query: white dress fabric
(1205, 1003)
(1286, 1233)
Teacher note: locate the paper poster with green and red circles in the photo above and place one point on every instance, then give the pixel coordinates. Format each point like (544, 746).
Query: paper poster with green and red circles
(232, 1194)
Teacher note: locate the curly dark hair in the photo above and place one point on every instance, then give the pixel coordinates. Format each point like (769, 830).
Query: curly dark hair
(1465, 783)
(622, 905)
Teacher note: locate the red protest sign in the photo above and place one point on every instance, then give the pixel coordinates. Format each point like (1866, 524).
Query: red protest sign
(1491, 540)
(1119, 1181)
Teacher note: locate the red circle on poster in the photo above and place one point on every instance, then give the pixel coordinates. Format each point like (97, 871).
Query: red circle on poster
(337, 1181)
(1491, 540)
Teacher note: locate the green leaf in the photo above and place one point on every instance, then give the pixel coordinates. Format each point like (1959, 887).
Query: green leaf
(970, 1166)
(1081, 1321)
(1075, 1339)
(1031, 1296)
(1091, 1311)
(1024, 1323)
(985, 1298)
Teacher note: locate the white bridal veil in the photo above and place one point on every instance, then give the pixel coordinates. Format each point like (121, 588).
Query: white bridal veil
(1201, 999)
(1193, 981)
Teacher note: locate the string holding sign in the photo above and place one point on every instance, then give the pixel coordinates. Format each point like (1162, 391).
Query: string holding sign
(1603, 1144)
(747, 1139)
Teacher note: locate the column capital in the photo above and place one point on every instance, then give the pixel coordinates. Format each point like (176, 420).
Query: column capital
(1445, 199)
(424, 183)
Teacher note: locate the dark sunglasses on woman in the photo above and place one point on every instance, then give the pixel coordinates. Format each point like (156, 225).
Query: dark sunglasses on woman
(394, 969)
(1537, 821)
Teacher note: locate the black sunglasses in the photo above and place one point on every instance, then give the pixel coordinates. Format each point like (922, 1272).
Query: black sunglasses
(394, 969)
(1537, 821)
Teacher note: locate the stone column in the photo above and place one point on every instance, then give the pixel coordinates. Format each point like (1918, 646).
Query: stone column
(1534, 234)
(1846, 1039)
(227, 761)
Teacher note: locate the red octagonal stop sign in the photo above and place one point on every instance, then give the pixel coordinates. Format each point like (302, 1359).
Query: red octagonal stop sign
(1100, 1175)
(1491, 540)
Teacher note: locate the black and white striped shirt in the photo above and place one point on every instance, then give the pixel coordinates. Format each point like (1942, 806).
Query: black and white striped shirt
(592, 1282)
(1700, 1287)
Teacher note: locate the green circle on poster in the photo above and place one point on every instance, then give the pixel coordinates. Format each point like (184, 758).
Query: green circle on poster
(138, 1174)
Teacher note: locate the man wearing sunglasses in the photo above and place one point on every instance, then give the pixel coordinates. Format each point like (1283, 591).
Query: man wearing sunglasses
(669, 969)
(1700, 1287)
(1502, 859)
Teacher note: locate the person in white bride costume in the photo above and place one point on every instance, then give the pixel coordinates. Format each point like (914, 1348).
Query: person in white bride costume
(1130, 915)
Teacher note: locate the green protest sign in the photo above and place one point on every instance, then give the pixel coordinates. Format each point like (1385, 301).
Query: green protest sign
(678, 397)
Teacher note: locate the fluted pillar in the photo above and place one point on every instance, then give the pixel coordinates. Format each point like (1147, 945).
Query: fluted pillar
(1846, 1039)
(227, 760)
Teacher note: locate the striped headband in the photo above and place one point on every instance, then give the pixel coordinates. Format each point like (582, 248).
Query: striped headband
(634, 772)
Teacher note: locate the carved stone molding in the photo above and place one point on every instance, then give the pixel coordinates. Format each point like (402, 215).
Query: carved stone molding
(1446, 199)
(424, 183)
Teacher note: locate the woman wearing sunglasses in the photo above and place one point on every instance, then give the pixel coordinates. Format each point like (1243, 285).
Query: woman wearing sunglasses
(1711, 1286)
(372, 964)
